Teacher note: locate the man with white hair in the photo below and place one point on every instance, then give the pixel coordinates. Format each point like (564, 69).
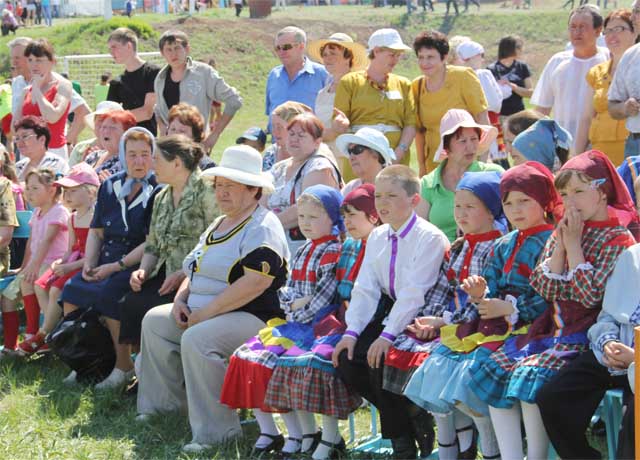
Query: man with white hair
(563, 88)
(298, 78)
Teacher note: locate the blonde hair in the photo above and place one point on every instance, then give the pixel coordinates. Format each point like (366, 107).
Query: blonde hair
(308, 198)
(403, 176)
(290, 109)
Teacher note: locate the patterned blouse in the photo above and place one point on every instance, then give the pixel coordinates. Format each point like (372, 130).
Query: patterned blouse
(112, 164)
(174, 232)
(313, 274)
(8, 218)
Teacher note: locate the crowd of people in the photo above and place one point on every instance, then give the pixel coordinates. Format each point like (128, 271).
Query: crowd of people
(487, 288)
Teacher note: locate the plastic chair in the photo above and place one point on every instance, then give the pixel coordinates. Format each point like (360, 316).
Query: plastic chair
(612, 413)
(23, 231)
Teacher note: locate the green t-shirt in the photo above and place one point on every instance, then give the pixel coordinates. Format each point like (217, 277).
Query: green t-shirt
(441, 199)
(100, 93)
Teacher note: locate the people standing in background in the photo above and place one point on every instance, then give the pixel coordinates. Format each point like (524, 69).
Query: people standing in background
(46, 12)
(513, 75)
(134, 88)
(238, 5)
(101, 90)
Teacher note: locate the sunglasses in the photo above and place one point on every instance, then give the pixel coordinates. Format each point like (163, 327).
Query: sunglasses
(357, 149)
(285, 47)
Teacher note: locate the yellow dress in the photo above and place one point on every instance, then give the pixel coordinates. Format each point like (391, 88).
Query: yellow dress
(606, 134)
(365, 105)
(461, 90)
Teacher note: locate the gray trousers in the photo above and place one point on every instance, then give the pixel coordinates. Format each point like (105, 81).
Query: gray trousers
(184, 369)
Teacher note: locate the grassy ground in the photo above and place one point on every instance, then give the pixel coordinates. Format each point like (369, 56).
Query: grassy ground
(39, 417)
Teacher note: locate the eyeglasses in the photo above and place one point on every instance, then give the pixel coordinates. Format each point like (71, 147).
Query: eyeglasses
(357, 149)
(24, 138)
(614, 30)
(285, 47)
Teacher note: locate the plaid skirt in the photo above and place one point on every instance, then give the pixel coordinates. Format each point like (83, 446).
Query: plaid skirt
(516, 374)
(443, 380)
(404, 357)
(309, 382)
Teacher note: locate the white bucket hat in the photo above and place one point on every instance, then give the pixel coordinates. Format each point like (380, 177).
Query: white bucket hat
(360, 58)
(243, 164)
(102, 108)
(368, 137)
(458, 118)
(469, 49)
(386, 38)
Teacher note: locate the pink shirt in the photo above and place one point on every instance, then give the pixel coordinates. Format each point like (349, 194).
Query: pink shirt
(57, 215)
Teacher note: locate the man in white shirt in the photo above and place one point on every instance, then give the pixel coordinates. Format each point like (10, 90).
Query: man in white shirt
(401, 263)
(562, 89)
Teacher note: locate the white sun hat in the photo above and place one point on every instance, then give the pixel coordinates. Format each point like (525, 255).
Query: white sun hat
(467, 50)
(102, 108)
(369, 137)
(243, 164)
(386, 38)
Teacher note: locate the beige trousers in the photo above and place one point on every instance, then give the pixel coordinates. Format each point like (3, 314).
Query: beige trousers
(184, 369)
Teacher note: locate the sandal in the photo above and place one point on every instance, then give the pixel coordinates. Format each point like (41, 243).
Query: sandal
(277, 442)
(31, 345)
(336, 449)
(317, 436)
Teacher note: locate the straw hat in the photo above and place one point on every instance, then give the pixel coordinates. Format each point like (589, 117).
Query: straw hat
(458, 118)
(368, 137)
(243, 164)
(360, 59)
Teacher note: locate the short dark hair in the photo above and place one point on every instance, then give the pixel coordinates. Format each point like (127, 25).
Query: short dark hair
(432, 39)
(39, 48)
(346, 52)
(593, 10)
(509, 46)
(520, 121)
(173, 36)
(190, 116)
(446, 142)
(180, 146)
(37, 125)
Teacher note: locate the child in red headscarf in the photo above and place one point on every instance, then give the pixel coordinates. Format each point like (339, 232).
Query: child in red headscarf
(576, 263)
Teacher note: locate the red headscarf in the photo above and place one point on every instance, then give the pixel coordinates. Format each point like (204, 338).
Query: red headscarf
(596, 165)
(363, 199)
(534, 180)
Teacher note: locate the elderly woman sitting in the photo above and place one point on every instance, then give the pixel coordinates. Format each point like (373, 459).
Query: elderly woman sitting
(230, 291)
(115, 244)
(93, 121)
(181, 212)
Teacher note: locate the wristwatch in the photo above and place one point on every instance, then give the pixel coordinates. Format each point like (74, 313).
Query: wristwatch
(122, 265)
(403, 147)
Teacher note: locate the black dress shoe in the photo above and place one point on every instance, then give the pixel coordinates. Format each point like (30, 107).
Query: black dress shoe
(317, 436)
(277, 442)
(336, 449)
(404, 448)
(422, 423)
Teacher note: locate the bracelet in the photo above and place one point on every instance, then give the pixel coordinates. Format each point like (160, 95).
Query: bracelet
(404, 147)
(122, 265)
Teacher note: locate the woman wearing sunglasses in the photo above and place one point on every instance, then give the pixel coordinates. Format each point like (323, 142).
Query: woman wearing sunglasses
(368, 152)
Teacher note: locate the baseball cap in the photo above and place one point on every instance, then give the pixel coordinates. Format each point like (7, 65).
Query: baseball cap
(79, 174)
(253, 134)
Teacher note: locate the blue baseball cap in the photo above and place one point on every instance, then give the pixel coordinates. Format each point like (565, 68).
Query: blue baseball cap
(253, 134)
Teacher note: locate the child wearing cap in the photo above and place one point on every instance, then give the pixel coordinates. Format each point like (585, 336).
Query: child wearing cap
(307, 382)
(254, 137)
(305, 299)
(47, 243)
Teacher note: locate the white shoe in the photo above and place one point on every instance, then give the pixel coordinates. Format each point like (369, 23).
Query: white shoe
(195, 448)
(117, 378)
(71, 379)
(143, 418)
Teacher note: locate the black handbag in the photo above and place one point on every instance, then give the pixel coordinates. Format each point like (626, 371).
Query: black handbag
(84, 344)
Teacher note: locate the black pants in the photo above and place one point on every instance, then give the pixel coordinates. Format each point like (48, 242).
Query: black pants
(454, 3)
(568, 401)
(426, 3)
(238, 9)
(135, 305)
(366, 381)
(466, 4)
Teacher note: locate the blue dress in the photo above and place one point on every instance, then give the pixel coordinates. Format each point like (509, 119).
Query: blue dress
(125, 226)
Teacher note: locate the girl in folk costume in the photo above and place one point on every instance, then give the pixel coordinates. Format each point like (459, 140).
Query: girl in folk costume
(442, 383)
(307, 382)
(305, 300)
(478, 213)
(576, 263)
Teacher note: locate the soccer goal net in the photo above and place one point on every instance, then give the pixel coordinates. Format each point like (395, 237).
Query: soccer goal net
(87, 69)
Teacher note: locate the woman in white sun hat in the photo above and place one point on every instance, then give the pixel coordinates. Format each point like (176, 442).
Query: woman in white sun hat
(461, 141)
(230, 290)
(379, 99)
(340, 55)
(93, 122)
(368, 152)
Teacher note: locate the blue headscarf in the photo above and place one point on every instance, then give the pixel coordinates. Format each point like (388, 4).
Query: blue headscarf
(629, 170)
(540, 140)
(486, 186)
(147, 188)
(331, 200)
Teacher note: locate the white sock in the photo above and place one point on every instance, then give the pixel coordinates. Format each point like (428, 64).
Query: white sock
(267, 425)
(464, 429)
(506, 423)
(488, 441)
(308, 425)
(447, 445)
(330, 433)
(537, 439)
(294, 441)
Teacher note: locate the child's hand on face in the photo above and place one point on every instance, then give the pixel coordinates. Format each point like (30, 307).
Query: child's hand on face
(426, 327)
(618, 355)
(301, 302)
(494, 308)
(571, 227)
(475, 286)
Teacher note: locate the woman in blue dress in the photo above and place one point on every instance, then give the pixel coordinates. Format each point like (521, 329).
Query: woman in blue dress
(115, 244)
